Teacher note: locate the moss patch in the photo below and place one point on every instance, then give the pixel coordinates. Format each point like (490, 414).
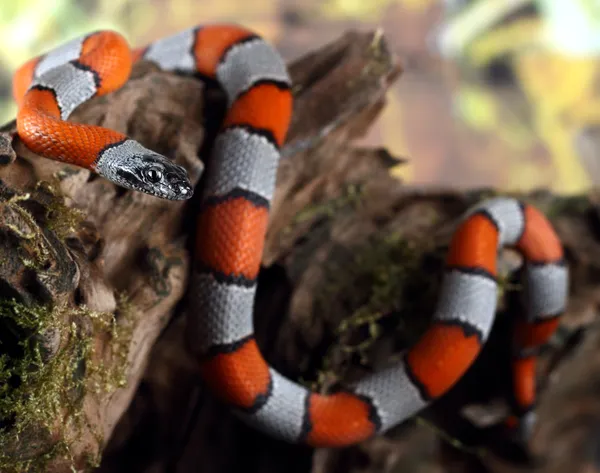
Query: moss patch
(385, 286)
(350, 197)
(572, 206)
(63, 220)
(388, 285)
(43, 208)
(41, 398)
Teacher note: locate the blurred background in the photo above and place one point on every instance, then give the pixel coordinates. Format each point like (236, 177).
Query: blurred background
(502, 93)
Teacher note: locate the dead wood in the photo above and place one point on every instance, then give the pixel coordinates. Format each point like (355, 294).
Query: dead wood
(352, 265)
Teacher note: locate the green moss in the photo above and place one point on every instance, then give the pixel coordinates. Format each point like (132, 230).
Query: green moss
(571, 206)
(41, 397)
(63, 220)
(351, 196)
(59, 219)
(389, 283)
(479, 195)
(376, 287)
(381, 62)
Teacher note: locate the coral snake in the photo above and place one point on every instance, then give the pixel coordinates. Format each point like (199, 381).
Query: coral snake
(232, 223)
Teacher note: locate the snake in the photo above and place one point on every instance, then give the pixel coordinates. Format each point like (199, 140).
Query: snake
(231, 223)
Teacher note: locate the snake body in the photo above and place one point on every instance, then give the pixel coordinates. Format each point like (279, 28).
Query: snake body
(232, 222)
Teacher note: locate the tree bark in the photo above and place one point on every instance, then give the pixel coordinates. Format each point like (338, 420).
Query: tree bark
(93, 277)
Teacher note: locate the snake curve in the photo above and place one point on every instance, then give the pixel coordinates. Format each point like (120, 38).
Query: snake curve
(232, 223)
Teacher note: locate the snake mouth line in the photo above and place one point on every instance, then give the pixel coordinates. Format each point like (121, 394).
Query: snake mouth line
(163, 195)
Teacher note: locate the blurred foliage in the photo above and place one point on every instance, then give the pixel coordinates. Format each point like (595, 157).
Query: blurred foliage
(553, 54)
(367, 11)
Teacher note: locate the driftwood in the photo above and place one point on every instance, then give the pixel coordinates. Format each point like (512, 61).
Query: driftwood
(352, 266)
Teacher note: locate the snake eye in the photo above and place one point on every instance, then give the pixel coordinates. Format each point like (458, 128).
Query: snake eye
(154, 175)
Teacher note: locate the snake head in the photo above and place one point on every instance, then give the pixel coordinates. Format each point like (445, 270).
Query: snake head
(157, 176)
(140, 169)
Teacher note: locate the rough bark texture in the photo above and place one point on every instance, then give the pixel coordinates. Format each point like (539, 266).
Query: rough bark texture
(352, 266)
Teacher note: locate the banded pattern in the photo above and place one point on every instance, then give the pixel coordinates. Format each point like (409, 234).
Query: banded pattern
(48, 88)
(232, 224)
(234, 368)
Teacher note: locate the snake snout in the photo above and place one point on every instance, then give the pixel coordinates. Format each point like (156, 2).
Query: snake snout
(185, 191)
(180, 183)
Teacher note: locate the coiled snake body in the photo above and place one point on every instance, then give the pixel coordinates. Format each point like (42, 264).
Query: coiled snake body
(232, 223)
